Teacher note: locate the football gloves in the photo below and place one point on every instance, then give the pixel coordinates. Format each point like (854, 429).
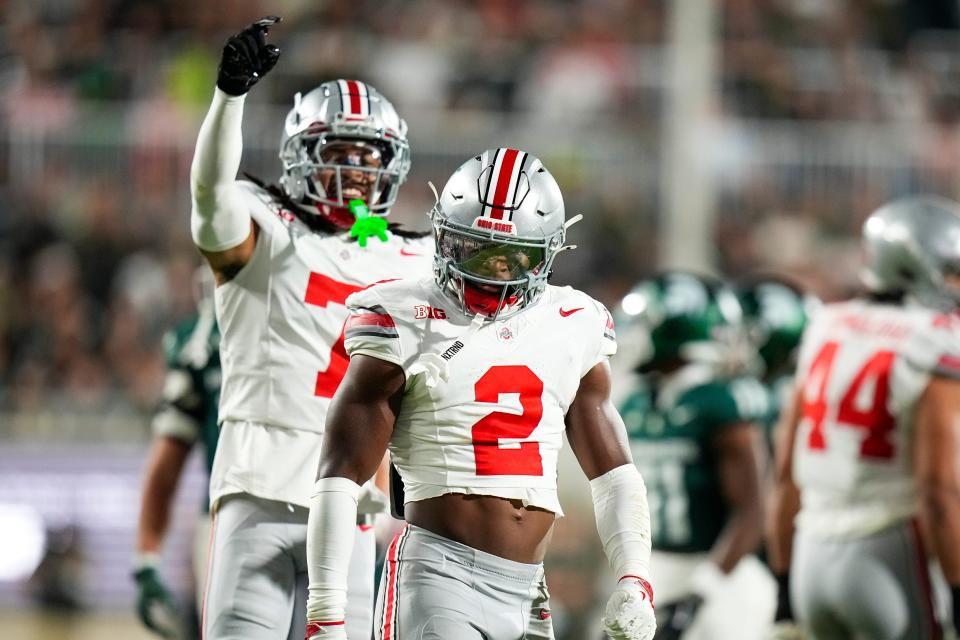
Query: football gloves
(316, 631)
(247, 57)
(677, 617)
(629, 613)
(371, 500)
(156, 607)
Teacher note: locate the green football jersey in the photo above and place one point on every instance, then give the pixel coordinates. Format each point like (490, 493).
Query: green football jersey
(191, 391)
(671, 426)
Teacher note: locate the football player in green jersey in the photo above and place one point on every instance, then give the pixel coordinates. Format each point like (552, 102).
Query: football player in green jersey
(187, 416)
(776, 311)
(695, 435)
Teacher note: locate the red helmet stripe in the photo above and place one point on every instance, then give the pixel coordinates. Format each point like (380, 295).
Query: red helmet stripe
(504, 181)
(353, 88)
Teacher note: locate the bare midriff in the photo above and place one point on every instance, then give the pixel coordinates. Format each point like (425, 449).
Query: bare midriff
(498, 526)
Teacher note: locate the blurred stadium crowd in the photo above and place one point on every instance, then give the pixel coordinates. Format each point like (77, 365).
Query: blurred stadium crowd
(826, 110)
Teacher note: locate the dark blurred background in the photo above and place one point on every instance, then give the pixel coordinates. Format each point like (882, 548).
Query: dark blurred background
(727, 136)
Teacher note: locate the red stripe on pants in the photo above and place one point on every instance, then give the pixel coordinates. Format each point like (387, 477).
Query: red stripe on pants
(206, 578)
(920, 560)
(392, 556)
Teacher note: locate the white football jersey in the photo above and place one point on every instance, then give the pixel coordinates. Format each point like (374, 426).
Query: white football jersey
(484, 403)
(862, 367)
(282, 350)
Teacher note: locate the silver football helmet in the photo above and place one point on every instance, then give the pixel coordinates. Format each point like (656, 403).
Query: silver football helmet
(912, 246)
(343, 141)
(498, 225)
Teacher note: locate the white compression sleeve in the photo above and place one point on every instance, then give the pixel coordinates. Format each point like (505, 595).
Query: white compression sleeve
(219, 220)
(330, 532)
(623, 520)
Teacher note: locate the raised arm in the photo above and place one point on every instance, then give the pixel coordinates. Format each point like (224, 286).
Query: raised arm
(219, 220)
(599, 440)
(358, 428)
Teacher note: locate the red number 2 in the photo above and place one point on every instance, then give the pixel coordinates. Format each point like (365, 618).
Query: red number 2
(875, 420)
(492, 458)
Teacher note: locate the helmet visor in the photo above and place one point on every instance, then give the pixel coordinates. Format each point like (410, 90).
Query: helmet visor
(492, 260)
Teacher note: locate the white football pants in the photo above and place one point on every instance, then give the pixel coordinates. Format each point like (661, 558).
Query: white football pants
(257, 586)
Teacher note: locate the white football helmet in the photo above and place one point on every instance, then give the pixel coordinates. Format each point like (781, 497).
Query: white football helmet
(912, 247)
(498, 225)
(343, 141)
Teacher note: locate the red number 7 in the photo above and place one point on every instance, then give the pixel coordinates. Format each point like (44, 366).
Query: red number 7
(321, 291)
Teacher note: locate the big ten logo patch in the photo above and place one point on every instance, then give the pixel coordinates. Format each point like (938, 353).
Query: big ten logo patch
(422, 311)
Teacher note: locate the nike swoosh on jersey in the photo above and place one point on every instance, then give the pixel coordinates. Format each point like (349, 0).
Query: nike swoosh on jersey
(404, 252)
(567, 312)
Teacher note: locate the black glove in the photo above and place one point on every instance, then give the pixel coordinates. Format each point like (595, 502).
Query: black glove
(676, 617)
(247, 58)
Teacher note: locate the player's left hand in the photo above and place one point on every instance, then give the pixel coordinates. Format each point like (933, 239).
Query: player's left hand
(316, 631)
(371, 500)
(247, 57)
(155, 604)
(677, 617)
(629, 613)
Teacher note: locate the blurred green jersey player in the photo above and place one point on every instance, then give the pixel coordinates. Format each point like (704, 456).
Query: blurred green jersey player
(695, 436)
(187, 417)
(776, 311)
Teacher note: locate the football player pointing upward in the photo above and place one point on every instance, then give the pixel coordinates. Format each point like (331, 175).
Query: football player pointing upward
(284, 264)
(473, 403)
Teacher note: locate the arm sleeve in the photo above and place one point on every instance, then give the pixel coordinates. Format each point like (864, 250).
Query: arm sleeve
(623, 520)
(219, 219)
(330, 533)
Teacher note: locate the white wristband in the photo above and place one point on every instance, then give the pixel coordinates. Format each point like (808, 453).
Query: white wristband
(330, 533)
(623, 520)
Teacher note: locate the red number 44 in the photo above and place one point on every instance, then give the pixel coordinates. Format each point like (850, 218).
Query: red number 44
(876, 419)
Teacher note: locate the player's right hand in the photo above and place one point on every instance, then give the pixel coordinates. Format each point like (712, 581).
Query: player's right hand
(247, 57)
(155, 604)
(786, 630)
(316, 631)
(629, 613)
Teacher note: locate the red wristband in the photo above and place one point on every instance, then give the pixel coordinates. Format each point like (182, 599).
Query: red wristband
(647, 588)
(314, 627)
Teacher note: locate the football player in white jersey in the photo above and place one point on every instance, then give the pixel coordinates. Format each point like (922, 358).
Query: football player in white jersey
(868, 472)
(472, 378)
(285, 263)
